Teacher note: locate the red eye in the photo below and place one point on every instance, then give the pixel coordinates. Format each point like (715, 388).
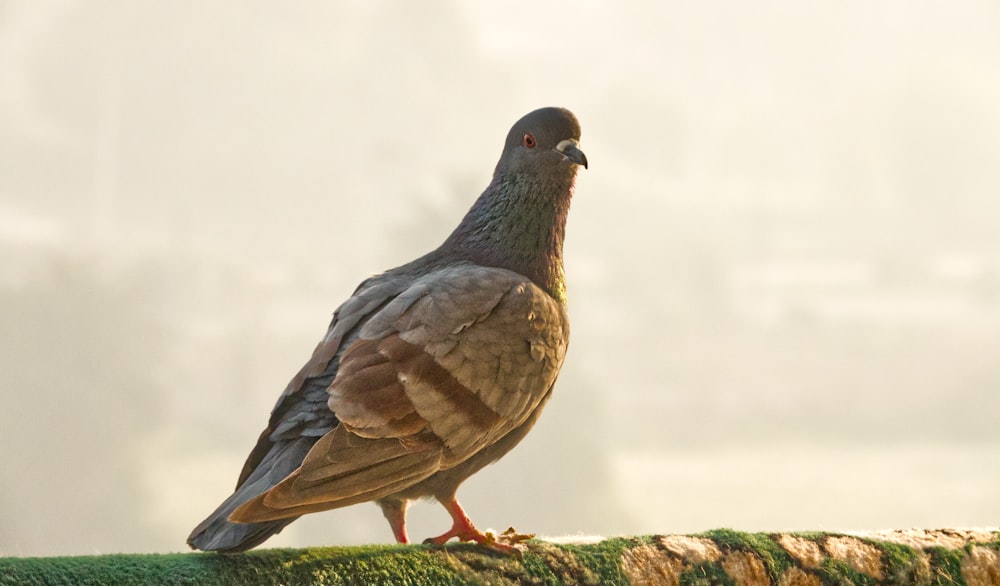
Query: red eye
(528, 140)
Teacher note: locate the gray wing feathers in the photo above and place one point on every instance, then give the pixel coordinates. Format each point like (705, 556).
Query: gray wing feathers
(217, 533)
(298, 420)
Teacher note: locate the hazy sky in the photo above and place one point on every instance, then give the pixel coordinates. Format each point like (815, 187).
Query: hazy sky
(784, 263)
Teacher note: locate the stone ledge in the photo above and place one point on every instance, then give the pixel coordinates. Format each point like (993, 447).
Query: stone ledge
(721, 556)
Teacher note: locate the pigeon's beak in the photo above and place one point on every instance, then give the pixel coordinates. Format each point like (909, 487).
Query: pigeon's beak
(571, 150)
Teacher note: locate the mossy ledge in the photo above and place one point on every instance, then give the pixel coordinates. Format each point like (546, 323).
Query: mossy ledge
(721, 556)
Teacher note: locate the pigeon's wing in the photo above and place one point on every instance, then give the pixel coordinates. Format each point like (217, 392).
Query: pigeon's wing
(301, 410)
(299, 419)
(448, 367)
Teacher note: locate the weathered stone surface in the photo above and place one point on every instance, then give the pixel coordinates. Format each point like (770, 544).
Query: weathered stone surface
(720, 556)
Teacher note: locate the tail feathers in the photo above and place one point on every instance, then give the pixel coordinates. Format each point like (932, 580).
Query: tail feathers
(217, 533)
(225, 537)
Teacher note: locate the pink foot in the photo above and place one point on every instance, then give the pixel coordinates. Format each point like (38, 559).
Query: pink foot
(463, 529)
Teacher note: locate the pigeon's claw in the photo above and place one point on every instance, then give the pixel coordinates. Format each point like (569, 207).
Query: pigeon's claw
(512, 537)
(463, 529)
(461, 526)
(463, 534)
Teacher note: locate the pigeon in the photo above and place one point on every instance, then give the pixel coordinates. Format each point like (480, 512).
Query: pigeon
(430, 371)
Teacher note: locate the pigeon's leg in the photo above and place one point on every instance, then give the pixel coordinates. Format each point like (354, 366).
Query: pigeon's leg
(395, 514)
(461, 526)
(463, 529)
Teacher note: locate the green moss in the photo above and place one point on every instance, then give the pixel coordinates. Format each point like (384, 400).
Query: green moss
(321, 566)
(604, 559)
(706, 574)
(369, 565)
(812, 535)
(901, 564)
(833, 572)
(946, 566)
(776, 560)
(472, 565)
(543, 564)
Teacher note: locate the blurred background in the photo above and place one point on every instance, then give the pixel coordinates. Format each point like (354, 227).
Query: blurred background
(784, 261)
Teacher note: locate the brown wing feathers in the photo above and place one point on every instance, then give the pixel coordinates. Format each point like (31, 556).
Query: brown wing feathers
(400, 414)
(344, 469)
(430, 391)
(368, 396)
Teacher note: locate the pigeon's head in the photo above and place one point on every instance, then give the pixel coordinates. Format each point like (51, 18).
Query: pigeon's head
(544, 141)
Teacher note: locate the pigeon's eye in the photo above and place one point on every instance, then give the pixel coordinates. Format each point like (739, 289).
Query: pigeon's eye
(528, 140)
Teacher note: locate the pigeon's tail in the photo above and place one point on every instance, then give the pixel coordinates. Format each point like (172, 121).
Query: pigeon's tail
(217, 533)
